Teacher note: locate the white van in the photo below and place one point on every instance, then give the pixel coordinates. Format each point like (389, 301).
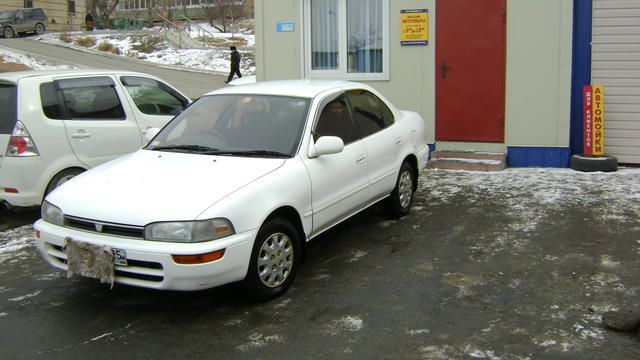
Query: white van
(57, 124)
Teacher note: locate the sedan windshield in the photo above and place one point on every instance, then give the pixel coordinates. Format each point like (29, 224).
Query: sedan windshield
(236, 125)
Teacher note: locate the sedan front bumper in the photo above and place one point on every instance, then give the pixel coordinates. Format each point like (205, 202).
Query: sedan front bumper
(150, 263)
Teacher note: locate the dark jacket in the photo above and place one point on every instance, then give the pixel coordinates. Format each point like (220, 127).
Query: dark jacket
(235, 58)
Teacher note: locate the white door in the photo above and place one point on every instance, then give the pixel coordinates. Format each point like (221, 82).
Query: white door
(339, 181)
(98, 127)
(616, 65)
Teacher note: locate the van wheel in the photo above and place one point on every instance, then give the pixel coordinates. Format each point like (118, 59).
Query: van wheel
(274, 260)
(8, 33)
(39, 29)
(61, 178)
(399, 202)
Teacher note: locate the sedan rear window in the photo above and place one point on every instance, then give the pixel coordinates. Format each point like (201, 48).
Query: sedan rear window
(8, 104)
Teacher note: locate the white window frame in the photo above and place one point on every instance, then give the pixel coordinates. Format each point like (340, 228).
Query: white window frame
(342, 71)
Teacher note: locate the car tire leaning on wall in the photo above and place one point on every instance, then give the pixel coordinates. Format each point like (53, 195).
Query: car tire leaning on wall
(274, 236)
(584, 163)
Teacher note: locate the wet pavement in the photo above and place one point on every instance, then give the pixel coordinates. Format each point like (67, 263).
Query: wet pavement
(517, 265)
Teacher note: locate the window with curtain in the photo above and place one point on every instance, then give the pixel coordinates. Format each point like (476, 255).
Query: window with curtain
(347, 38)
(324, 34)
(364, 36)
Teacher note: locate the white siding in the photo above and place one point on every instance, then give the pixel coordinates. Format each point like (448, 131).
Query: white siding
(616, 65)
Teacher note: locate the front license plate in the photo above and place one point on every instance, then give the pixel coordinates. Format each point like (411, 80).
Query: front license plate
(119, 257)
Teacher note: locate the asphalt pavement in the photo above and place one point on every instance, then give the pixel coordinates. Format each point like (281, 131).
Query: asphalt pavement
(192, 83)
(484, 267)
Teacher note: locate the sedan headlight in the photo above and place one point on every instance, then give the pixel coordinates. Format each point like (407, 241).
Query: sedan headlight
(52, 214)
(189, 231)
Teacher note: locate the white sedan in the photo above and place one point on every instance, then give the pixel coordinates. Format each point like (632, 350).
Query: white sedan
(234, 187)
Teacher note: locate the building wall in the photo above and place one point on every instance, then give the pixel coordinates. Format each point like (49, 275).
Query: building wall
(538, 70)
(56, 11)
(278, 55)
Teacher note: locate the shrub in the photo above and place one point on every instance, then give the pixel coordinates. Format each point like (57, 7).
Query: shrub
(149, 44)
(86, 41)
(105, 46)
(66, 37)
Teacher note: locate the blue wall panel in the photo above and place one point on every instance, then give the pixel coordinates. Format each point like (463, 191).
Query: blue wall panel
(537, 157)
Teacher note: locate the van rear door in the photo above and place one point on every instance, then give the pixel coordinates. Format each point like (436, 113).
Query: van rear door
(8, 115)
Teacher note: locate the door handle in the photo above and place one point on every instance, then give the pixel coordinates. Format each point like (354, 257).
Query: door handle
(443, 69)
(80, 135)
(398, 141)
(361, 159)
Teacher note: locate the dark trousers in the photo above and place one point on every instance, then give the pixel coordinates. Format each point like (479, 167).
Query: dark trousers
(234, 70)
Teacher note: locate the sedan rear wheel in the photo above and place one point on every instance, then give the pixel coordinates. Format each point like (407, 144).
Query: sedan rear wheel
(274, 260)
(39, 29)
(401, 198)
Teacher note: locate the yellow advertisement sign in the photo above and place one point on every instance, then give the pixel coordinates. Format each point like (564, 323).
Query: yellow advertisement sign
(414, 27)
(598, 119)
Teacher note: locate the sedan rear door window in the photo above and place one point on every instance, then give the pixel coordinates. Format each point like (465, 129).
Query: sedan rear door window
(370, 113)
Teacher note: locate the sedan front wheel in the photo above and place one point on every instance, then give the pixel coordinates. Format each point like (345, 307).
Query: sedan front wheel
(274, 260)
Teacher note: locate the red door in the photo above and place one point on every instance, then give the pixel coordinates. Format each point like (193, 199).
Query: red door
(470, 70)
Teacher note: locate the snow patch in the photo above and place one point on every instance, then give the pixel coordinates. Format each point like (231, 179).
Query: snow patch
(35, 63)
(27, 296)
(348, 323)
(257, 341)
(357, 255)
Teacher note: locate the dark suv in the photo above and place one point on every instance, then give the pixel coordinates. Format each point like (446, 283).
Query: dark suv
(19, 21)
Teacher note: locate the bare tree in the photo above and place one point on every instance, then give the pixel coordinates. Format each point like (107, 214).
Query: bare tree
(104, 9)
(221, 10)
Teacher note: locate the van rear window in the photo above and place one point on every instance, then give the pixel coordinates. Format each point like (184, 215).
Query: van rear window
(8, 104)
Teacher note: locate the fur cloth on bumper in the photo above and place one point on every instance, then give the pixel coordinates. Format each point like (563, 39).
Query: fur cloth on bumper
(89, 260)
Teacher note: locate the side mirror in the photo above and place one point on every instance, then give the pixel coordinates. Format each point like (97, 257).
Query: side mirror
(326, 145)
(150, 133)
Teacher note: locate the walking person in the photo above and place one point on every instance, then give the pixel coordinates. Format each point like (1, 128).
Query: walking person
(88, 20)
(235, 64)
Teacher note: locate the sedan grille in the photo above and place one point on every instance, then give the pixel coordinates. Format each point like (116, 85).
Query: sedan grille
(129, 231)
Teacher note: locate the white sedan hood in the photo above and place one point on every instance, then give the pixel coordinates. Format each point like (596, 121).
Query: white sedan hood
(149, 186)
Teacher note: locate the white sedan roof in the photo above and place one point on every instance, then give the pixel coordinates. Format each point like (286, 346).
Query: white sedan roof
(296, 88)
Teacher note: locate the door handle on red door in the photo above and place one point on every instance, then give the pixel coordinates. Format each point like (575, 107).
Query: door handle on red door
(443, 69)
(81, 134)
(361, 159)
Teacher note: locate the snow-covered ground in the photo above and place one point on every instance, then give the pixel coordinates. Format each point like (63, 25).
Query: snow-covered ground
(213, 56)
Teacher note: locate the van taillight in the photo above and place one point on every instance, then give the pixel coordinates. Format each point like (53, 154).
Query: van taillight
(20, 143)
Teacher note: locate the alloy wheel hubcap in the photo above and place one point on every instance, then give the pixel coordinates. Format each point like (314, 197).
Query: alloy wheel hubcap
(275, 260)
(405, 189)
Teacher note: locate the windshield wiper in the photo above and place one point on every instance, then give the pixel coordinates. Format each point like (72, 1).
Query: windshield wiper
(187, 148)
(251, 153)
